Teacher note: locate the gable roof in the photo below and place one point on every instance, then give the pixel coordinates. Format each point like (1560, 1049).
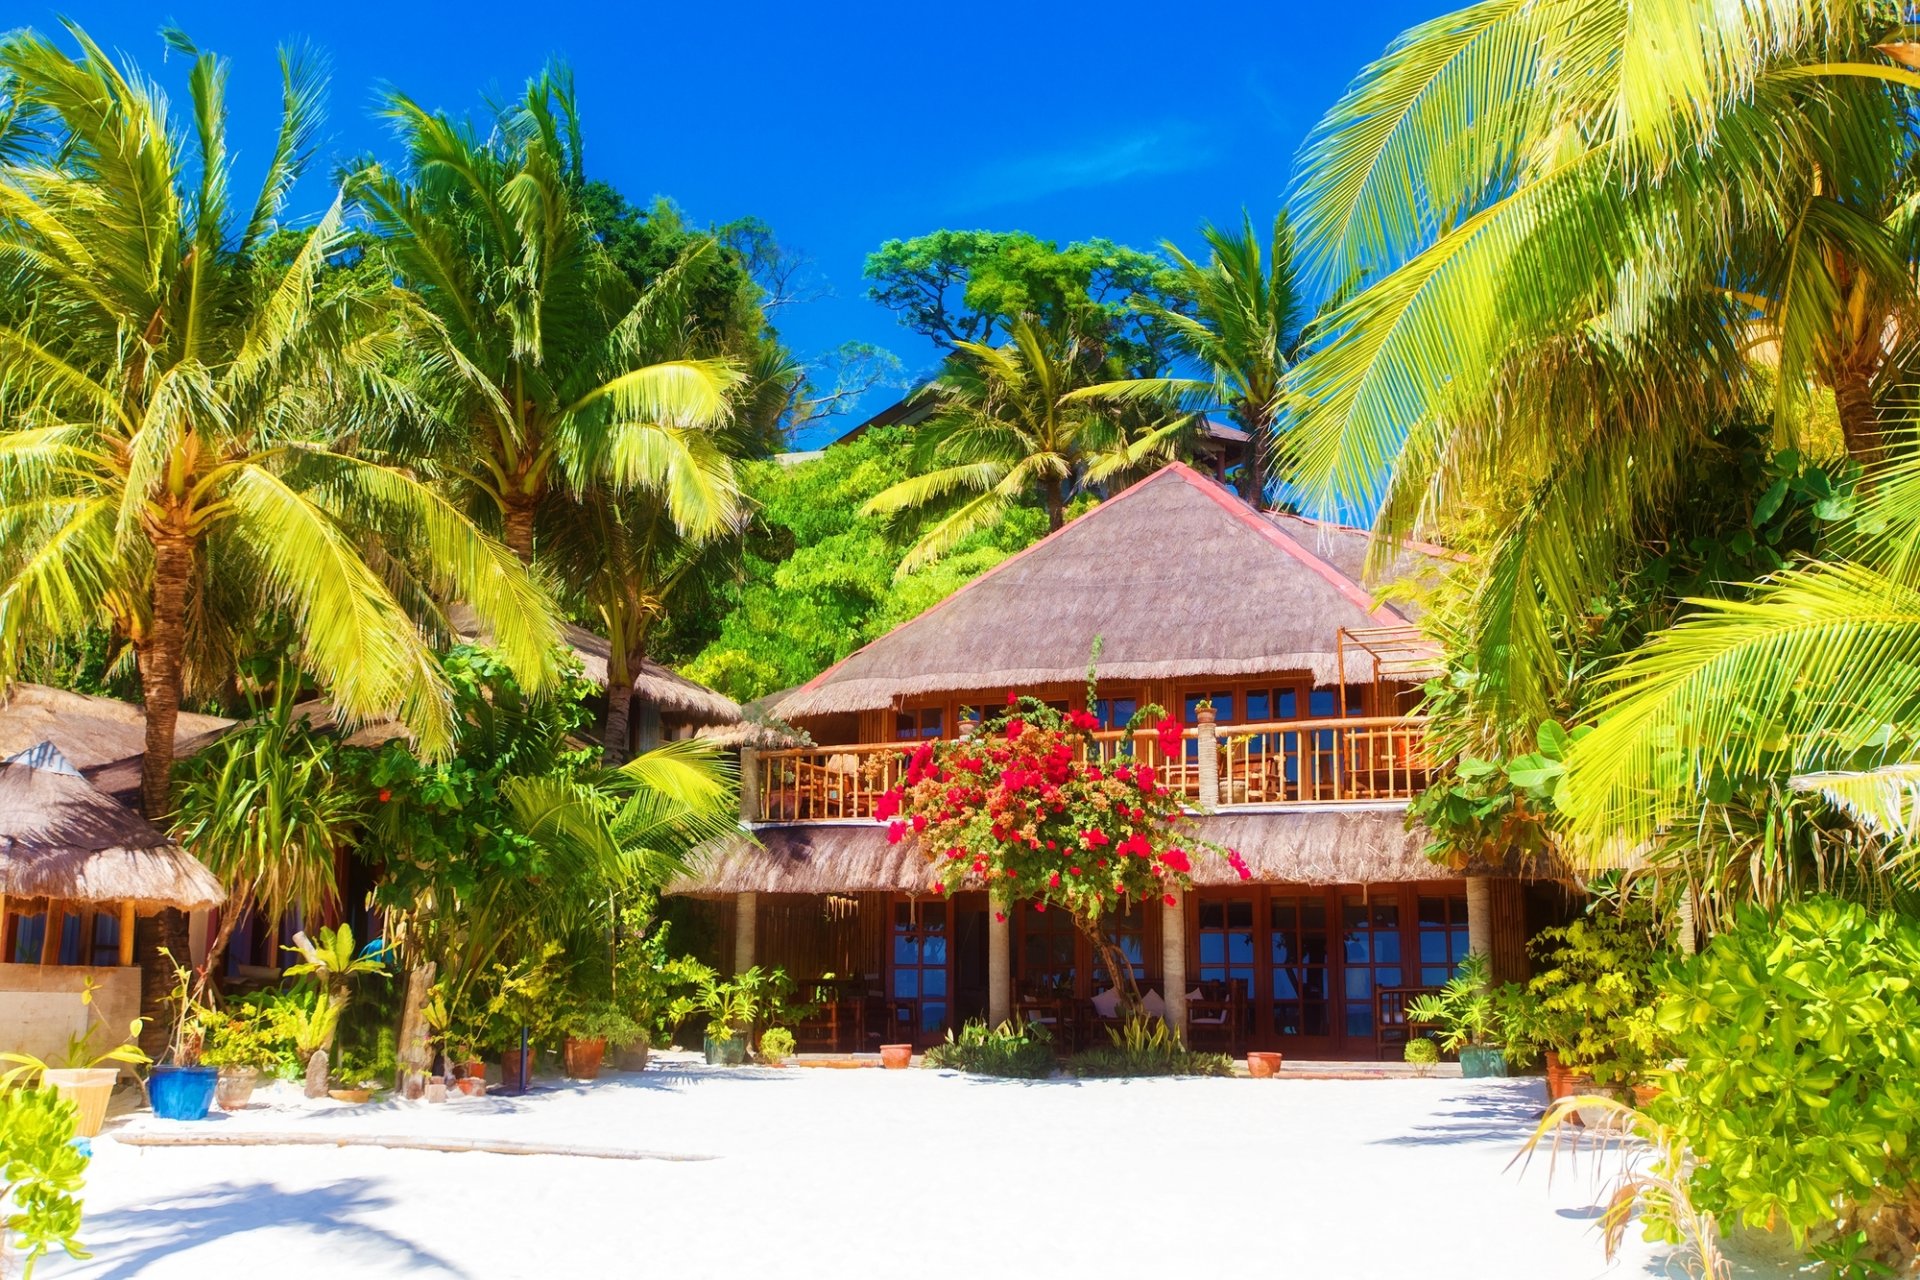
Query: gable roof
(1176, 576)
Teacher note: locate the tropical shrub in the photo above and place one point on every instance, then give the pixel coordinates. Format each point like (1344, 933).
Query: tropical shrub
(1015, 1051)
(1144, 1046)
(1422, 1054)
(776, 1044)
(1799, 1099)
(40, 1174)
(1593, 997)
(1464, 1009)
(251, 1033)
(598, 1020)
(1027, 808)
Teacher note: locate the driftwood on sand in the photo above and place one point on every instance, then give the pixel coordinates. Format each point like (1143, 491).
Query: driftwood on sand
(490, 1146)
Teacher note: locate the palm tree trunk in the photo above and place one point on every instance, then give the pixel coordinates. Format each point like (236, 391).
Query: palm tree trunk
(613, 746)
(519, 526)
(1859, 416)
(1253, 476)
(235, 907)
(162, 678)
(1056, 506)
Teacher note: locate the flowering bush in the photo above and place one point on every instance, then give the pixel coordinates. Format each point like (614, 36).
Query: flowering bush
(1027, 808)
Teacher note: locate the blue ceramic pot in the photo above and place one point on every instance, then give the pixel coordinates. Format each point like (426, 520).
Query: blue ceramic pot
(182, 1093)
(1481, 1062)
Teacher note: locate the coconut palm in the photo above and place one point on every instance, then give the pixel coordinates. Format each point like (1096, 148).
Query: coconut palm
(534, 343)
(1587, 232)
(1244, 331)
(1009, 430)
(173, 404)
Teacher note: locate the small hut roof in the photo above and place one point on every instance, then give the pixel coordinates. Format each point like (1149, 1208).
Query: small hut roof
(661, 685)
(61, 837)
(1344, 845)
(1176, 575)
(91, 732)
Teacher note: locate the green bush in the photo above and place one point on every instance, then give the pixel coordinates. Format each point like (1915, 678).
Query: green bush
(1021, 1051)
(1421, 1052)
(1146, 1047)
(1799, 1098)
(40, 1174)
(776, 1044)
(1594, 994)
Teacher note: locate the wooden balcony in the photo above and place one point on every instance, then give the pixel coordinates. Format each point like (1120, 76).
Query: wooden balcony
(1355, 760)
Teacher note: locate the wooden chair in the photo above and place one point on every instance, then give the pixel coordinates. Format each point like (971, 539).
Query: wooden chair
(1391, 1026)
(1215, 1018)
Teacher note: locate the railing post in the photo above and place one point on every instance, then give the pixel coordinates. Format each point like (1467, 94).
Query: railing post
(749, 784)
(1209, 758)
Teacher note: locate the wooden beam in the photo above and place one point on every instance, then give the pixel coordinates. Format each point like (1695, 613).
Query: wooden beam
(126, 934)
(6, 956)
(56, 925)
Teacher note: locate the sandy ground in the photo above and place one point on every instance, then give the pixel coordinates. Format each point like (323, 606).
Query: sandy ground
(833, 1173)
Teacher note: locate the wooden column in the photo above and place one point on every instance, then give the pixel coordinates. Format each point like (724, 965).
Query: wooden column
(1173, 961)
(1209, 759)
(746, 912)
(999, 960)
(56, 925)
(749, 784)
(1479, 916)
(126, 934)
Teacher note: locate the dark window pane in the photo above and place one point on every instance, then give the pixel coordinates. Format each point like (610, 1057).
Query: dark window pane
(1285, 915)
(1212, 915)
(933, 1016)
(1240, 914)
(1433, 945)
(1240, 948)
(1213, 948)
(1283, 988)
(905, 951)
(1359, 1020)
(1433, 910)
(1313, 913)
(1359, 983)
(1313, 1019)
(1386, 946)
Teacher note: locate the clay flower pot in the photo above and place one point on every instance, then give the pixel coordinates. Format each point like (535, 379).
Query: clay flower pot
(472, 1086)
(584, 1056)
(896, 1057)
(1264, 1064)
(1559, 1079)
(472, 1069)
(235, 1087)
(352, 1096)
(88, 1089)
(631, 1057)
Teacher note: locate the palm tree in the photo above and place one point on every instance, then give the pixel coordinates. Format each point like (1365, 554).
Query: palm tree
(1588, 232)
(1010, 429)
(1244, 332)
(174, 405)
(533, 340)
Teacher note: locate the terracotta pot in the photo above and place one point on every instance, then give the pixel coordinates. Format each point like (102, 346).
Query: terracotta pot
(584, 1056)
(472, 1086)
(512, 1078)
(1263, 1064)
(235, 1087)
(354, 1096)
(896, 1057)
(472, 1069)
(1558, 1077)
(88, 1089)
(1645, 1093)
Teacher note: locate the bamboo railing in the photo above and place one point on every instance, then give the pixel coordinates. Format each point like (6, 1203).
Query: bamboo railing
(1279, 762)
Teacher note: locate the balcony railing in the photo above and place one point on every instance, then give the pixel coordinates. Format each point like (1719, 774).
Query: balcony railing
(1281, 762)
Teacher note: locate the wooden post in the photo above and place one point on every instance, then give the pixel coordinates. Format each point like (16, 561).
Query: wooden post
(1479, 916)
(1173, 963)
(999, 960)
(6, 957)
(749, 784)
(126, 934)
(56, 925)
(746, 910)
(1209, 758)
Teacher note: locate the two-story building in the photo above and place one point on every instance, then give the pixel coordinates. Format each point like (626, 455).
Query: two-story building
(1303, 747)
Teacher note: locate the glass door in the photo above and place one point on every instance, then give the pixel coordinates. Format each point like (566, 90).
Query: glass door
(1226, 959)
(1371, 959)
(920, 975)
(1301, 960)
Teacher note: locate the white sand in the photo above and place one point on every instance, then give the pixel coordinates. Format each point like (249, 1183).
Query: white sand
(835, 1173)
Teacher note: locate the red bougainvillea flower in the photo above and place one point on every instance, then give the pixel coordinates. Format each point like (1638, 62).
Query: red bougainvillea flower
(1083, 720)
(1039, 906)
(896, 832)
(887, 805)
(1170, 732)
(385, 795)
(1012, 697)
(1176, 860)
(1145, 776)
(1093, 837)
(1239, 864)
(919, 822)
(1053, 881)
(999, 917)
(1123, 773)
(1170, 900)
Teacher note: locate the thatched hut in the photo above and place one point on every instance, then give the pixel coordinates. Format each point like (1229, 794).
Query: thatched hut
(104, 738)
(76, 868)
(1298, 677)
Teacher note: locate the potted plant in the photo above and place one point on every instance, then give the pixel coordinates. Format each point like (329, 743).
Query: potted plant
(896, 1057)
(1592, 998)
(588, 1028)
(240, 1044)
(1469, 1023)
(354, 1079)
(1422, 1054)
(730, 1008)
(776, 1046)
(83, 1077)
(1264, 1064)
(180, 1088)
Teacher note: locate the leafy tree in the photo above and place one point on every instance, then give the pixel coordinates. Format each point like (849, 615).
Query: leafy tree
(959, 287)
(172, 460)
(1009, 430)
(534, 342)
(818, 577)
(1243, 330)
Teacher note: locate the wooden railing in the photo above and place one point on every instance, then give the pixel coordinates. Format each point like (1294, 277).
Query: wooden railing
(1281, 762)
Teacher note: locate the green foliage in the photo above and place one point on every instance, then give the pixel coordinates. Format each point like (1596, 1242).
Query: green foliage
(776, 1044)
(1146, 1046)
(1421, 1053)
(40, 1176)
(1799, 1093)
(819, 578)
(729, 1006)
(968, 286)
(252, 1033)
(1014, 1051)
(595, 1020)
(648, 977)
(1593, 993)
(1464, 1009)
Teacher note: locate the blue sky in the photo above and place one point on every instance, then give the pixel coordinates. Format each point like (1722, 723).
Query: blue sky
(842, 125)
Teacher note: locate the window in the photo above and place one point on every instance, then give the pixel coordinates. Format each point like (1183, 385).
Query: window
(1114, 713)
(1370, 942)
(1048, 942)
(1443, 937)
(1298, 945)
(1226, 943)
(917, 723)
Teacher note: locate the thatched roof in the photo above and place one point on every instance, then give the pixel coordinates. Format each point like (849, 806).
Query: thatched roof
(763, 735)
(104, 738)
(1345, 845)
(60, 837)
(1176, 575)
(664, 687)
